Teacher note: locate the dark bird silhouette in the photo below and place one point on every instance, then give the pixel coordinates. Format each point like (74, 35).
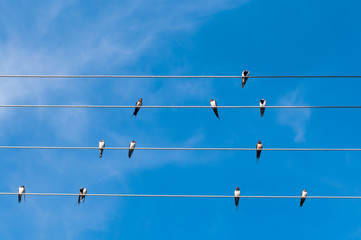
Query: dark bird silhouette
(245, 75)
(137, 107)
(82, 193)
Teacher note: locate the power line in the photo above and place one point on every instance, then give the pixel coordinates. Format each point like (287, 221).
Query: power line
(183, 149)
(165, 76)
(128, 106)
(177, 196)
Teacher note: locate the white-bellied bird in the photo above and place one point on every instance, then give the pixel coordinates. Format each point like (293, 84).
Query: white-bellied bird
(101, 148)
(131, 148)
(262, 104)
(214, 107)
(259, 149)
(245, 75)
(21, 192)
(237, 193)
(82, 193)
(303, 197)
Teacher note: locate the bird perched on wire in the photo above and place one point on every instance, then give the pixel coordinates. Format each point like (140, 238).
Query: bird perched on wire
(21, 192)
(214, 107)
(82, 193)
(262, 104)
(237, 193)
(303, 197)
(259, 149)
(131, 148)
(245, 75)
(101, 148)
(137, 107)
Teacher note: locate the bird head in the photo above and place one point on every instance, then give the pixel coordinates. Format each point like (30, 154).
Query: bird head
(259, 141)
(237, 188)
(133, 141)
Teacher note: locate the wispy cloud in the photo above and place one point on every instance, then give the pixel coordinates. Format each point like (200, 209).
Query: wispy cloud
(68, 38)
(297, 120)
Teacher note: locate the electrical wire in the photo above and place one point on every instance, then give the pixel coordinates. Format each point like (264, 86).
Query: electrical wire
(127, 106)
(177, 196)
(165, 76)
(183, 149)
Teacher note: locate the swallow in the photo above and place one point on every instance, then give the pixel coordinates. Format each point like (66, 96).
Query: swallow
(82, 193)
(137, 107)
(214, 107)
(259, 149)
(131, 148)
(262, 104)
(303, 197)
(101, 148)
(21, 192)
(237, 193)
(245, 75)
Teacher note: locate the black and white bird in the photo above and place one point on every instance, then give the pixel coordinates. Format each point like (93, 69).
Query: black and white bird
(101, 148)
(82, 193)
(303, 197)
(214, 107)
(131, 148)
(262, 104)
(137, 107)
(259, 149)
(237, 193)
(21, 192)
(245, 75)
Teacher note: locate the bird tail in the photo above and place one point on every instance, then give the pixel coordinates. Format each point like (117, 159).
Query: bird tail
(302, 201)
(135, 112)
(101, 153)
(244, 80)
(130, 153)
(19, 198)
(262, 112)
(258, 154)
(236, 199)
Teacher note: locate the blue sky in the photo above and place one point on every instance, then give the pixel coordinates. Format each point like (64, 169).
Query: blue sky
(214, 37)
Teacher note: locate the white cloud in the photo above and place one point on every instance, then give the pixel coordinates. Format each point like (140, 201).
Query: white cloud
(60, 41)
(294, 118)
